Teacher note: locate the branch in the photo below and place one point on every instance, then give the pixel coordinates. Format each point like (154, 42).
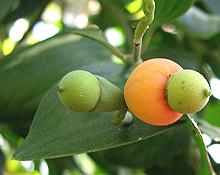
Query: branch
(143, 25)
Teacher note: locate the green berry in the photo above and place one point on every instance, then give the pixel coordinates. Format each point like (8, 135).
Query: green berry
(187, 92)
(79, 91)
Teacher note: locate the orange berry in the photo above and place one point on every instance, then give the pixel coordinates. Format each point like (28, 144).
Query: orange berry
(145, 91)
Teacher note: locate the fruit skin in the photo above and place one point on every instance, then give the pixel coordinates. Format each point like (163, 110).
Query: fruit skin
(187, 91)
(79, 91)
(111, 97)
(145, 88)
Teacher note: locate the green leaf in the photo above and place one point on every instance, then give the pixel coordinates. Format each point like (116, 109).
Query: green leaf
(12, 138)
(211, 130)
(26, 75)
(212, 5)
(200, 24)
(166, 11)
(57, 132)
(157, 155)
(5, 6)
(180, 56)
(169, 10)
(206, 167)
(24, 8)
(211, 113)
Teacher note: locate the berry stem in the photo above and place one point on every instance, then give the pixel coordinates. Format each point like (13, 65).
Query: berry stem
(111, 97)
(206, 168)
(137, 52)
(148, 8)
(207, 92)
(60, 88)
(118, 116)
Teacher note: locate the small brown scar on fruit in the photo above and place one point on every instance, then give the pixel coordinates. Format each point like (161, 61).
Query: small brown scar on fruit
(183, 82)
(180, 103)
(60, 88)
(165, 97)
(137, 44)
(165, 93)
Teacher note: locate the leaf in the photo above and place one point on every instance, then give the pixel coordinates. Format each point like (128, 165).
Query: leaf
(212, 5)
(157, 155)
(211, 113)
(200, 24)
(24, 8)
(5, 6)
(185, 59)
(212, 131)
(26, 75)
(206, 167)
(166, 11)
(57, 132)
(12, 138)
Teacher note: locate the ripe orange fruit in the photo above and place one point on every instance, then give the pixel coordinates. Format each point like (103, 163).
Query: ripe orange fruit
(145, 91)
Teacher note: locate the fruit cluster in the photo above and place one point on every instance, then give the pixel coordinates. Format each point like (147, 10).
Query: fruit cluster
(158, 92)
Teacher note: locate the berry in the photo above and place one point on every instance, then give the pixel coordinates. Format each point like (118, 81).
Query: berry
(145, 89)
(187, 92)
(79, 91)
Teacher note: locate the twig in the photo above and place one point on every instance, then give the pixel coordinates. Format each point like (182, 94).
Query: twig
(137, 52)
(111, 48)
(143, 25)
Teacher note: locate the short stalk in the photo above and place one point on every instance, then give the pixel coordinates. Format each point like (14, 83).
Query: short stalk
(118, 116)
(137, 52)
(148, 8)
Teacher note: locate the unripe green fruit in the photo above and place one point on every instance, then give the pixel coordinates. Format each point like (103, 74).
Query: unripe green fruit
(79, 91)
(187, 92)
